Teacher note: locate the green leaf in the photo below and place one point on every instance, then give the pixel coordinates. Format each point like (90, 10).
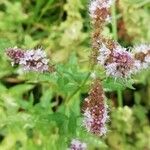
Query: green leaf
(46, 98)
(72, 125)
(20, 89)
(61, 120)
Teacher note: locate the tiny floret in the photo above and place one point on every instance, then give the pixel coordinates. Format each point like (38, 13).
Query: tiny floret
(77, 145)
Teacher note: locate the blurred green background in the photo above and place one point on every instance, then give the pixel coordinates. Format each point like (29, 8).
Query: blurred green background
(34, 110)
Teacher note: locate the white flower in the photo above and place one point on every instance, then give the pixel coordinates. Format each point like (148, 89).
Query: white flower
(106, 3)
(104, 53)
(34, 60)
(93, 75)
(87, 122)
(29, 54)
(142, 56)
(93, 6)
(77, 145)
(97, 5)
(118, 62)
(147, 59)
(141, 48)
(45, 61)
(23, 61)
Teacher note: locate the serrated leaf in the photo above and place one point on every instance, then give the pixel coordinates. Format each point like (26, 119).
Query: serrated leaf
(61, 120)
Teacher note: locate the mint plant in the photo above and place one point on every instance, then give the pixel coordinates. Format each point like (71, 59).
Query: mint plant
(61, 105)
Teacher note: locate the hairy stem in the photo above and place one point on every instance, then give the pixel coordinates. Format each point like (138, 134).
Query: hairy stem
(114, 29)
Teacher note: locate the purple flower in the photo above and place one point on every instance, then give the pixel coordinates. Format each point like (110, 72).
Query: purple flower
(30, 60)
(77, 145)
(117, 62)
(15, 54)
(99, 9)
(34, 60)
(95, 110)
(142, 57)
(104, 54)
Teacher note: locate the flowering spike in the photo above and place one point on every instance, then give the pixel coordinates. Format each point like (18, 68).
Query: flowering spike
(30, 60)
(95, 110)
(116, 60)
(77, 145)
(100, 14)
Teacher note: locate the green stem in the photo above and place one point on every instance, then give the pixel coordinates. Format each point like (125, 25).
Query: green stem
(120, 100)
(87, 77)
(83, 83)
(114, 21)
(114, 29)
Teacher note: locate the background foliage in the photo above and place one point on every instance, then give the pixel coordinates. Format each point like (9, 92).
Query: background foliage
(43, 111)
